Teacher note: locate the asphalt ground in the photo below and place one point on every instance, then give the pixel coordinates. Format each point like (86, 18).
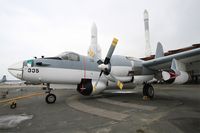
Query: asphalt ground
(175, 108)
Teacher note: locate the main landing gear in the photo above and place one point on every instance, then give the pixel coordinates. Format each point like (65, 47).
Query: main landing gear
(148, 91)
(50, 98)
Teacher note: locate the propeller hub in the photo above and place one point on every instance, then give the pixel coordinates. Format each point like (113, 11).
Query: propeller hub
(103, 67)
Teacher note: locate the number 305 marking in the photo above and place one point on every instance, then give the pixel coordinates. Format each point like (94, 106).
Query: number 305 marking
(33, 70)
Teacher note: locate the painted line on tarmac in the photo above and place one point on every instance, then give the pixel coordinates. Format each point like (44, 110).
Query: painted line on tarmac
(76, 104)
(129, 105)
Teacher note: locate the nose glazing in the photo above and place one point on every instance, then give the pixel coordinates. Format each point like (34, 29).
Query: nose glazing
(16, 70)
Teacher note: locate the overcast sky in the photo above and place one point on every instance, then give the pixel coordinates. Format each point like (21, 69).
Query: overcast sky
(31, 28)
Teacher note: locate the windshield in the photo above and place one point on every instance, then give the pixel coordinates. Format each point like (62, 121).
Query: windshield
(69, 56)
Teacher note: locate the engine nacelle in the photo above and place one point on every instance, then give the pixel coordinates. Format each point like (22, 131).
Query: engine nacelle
(86, 87)
(121, 71)
(172, 77)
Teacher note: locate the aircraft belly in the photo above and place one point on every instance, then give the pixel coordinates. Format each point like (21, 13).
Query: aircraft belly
(143, 78)
(63, 86)
(113, 86)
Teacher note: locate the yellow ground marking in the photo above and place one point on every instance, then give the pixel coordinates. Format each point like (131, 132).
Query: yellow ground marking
(10, 100)
(2, 87)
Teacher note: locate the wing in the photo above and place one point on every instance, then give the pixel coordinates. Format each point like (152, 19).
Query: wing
(190, 58)
(176, 68)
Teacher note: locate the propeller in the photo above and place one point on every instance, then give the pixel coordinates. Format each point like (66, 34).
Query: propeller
(105, 66)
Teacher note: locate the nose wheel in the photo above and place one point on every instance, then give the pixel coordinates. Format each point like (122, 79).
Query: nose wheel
(50, 98)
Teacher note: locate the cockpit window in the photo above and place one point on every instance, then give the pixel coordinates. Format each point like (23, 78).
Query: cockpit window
(69, 56)
(29, 63)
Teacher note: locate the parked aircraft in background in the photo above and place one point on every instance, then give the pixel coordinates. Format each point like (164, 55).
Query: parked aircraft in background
(3, 79)
(9, 82)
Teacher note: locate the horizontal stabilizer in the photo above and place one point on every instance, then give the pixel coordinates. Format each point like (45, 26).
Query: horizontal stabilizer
(159, 50)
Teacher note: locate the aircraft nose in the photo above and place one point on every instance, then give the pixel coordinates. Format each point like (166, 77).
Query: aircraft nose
(16, 70)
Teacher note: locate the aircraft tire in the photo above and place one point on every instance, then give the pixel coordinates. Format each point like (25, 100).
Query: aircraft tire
(150, 91)
(13, 105)
(50, 98)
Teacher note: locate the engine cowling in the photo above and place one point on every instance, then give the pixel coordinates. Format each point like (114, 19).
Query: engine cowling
(86, 87)
(172, 77)
(121, 71)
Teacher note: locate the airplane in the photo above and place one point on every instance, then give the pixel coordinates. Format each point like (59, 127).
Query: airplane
(3, 79)
(91, 75)
(10, 82)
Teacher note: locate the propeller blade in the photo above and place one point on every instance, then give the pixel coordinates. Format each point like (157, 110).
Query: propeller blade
(99, 62)
(111, 50)
(94, 87)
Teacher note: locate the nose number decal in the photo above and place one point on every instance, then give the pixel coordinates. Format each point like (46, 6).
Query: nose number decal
(33, 70)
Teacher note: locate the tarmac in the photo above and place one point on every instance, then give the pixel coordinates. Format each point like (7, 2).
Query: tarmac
(175, 109)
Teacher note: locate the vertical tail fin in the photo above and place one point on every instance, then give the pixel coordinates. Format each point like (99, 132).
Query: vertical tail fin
(4, 78)
(94, 50)
(177, 65)
(159, 50)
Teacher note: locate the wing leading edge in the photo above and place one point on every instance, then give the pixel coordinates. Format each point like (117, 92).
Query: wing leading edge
(187, 57)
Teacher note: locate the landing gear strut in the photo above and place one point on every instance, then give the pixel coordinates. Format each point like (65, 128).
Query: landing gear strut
(148, 90)
(50, 98)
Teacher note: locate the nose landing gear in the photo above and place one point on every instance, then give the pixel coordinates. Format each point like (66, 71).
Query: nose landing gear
(50, 98)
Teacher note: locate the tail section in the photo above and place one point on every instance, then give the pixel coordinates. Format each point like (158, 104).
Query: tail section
(159, 50)
(94, 50)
